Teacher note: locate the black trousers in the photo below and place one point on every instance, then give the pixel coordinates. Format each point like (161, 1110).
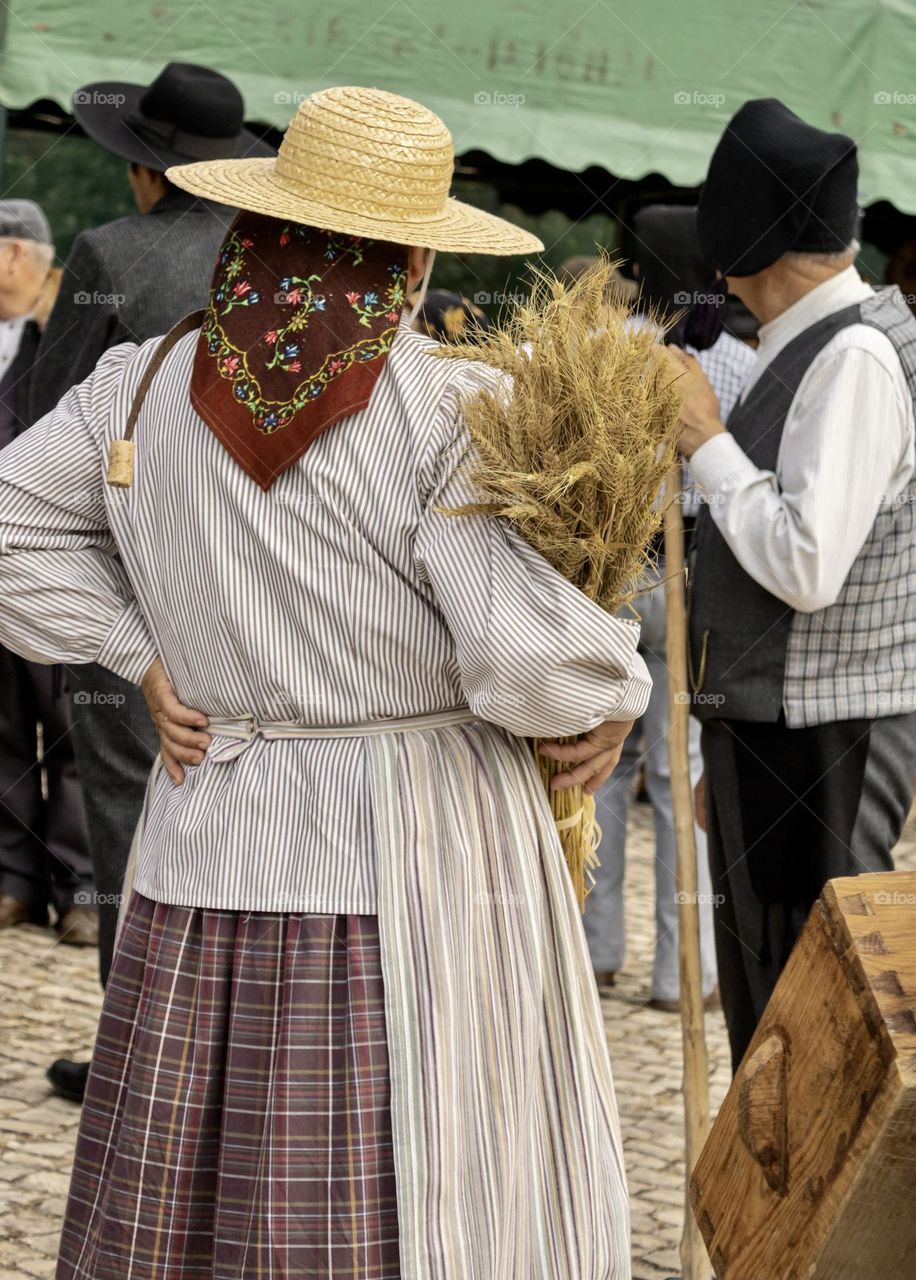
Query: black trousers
(115, 748)
(44, 854)
(787, 810)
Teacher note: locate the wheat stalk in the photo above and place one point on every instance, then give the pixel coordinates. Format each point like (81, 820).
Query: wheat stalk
(573, 450)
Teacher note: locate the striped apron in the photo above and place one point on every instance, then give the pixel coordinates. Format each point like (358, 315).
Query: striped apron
(507, 1149)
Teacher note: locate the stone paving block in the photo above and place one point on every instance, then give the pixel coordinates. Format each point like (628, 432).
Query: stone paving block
(670, 1195)
(53, 1208)
(30, 1089)
(670, 1217)
(37, 1267)
(56, 1152)
(46, 1244)
(665, 1260)
(23, 1224)
(52, 1180)
(13, 1194)
(650, 1162)
(12, 1124)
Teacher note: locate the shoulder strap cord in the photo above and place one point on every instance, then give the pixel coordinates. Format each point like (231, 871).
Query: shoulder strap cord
(121, 452)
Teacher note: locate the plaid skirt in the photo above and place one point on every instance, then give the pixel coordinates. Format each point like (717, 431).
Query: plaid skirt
(237, 1117)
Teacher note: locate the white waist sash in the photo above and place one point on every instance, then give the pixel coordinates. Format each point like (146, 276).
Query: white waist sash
(239, 731)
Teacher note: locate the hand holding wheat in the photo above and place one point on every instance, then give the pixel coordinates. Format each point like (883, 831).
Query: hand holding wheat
(593, 757)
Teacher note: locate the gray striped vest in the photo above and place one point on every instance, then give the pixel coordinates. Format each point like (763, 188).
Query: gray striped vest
(751, 655)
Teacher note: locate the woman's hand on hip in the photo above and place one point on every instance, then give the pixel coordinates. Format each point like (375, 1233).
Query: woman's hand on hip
(179, 728)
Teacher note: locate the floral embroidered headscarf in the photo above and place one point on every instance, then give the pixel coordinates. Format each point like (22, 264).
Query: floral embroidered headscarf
(297, 330)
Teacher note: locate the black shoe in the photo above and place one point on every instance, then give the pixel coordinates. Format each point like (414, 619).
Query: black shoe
(13, 912)
(68, 1078)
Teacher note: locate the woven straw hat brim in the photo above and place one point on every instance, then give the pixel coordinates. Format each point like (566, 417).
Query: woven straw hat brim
(253, 185)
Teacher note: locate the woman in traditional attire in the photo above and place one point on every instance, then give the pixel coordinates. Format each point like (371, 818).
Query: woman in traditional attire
(351, 1028)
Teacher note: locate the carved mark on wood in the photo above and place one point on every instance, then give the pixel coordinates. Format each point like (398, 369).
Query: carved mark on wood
(763, 1110)
(856, 904)
(719, 1262)
(902, 1023)
(888, 982)
(873, 944)
(707, 1230)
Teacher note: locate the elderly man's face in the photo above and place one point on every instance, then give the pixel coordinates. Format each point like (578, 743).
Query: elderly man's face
(23, 270)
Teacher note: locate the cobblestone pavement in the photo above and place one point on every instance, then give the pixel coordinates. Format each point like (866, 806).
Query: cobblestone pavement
(49, 1002)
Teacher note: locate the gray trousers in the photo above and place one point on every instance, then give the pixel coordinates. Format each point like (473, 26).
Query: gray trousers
(604, 918)
(787, 810)
(115, 749)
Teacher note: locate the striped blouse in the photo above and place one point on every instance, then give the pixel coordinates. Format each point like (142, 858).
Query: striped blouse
(342, 595)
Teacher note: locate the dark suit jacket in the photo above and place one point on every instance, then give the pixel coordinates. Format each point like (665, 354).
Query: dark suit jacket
(126, 281)
(14, 386)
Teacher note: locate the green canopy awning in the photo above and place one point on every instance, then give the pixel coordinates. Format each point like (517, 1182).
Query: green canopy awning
(637, 86)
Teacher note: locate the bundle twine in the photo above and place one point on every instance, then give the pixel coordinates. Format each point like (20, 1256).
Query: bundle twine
(577, 826)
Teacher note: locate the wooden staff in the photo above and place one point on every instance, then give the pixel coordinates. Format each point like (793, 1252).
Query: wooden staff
(694, 1262)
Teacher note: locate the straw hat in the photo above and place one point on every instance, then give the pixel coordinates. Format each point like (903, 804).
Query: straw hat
(362, 162)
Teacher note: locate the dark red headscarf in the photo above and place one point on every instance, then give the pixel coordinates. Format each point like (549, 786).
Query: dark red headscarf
(298, 328)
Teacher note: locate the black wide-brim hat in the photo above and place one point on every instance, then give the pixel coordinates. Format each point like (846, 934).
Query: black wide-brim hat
(188, 113)
(776, 184)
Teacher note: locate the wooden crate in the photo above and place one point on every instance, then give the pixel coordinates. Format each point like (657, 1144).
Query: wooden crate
(809, 1172)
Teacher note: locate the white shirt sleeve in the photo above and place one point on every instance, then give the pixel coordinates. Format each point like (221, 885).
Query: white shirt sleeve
(846, 450)
(533, 653)
(64, 596)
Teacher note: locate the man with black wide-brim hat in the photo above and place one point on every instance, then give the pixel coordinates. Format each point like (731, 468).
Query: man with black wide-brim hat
(128, 281)
(803, 598)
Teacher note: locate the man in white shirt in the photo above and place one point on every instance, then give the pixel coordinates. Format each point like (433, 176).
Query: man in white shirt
(803, 590)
